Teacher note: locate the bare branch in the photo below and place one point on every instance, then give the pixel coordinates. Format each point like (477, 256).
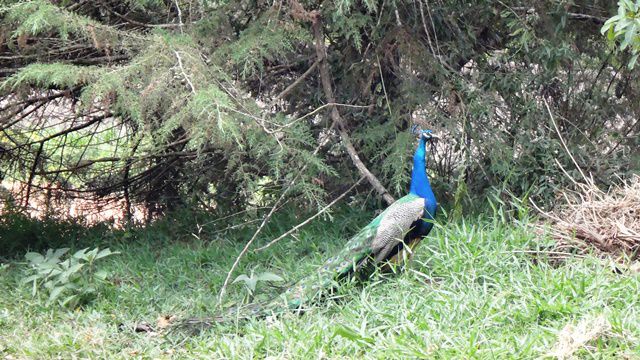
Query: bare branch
(286, 91)
(324, 209)
(555, 126)
(325, 78)
(184, 73)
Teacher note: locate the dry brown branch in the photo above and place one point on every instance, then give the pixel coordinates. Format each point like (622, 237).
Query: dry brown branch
(570, 15)
(183, 71)
(320, 108)
(555, 126)
(255, 235)
(426, 31)
(610, 221)
(325, 78)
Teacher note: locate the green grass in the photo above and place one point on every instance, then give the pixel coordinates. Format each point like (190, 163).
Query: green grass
(478, 288)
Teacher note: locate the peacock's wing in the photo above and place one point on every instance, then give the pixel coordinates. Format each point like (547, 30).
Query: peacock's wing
(395, 224)
(376, 240)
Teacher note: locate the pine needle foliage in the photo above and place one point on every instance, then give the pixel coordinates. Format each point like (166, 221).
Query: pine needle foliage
(51, 76)
(220, 104)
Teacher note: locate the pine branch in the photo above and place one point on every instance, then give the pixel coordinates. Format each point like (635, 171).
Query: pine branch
(335, 114)
(84, 125)
(139, 23)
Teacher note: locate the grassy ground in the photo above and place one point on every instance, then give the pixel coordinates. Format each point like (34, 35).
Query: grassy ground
(477, 288)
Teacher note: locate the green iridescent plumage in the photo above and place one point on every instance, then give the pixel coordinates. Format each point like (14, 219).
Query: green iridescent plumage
(372, 244)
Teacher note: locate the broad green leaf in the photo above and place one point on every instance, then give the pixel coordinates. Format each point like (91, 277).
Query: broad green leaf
(69, 300)
(621, 25)
(629, 35)
(51, 265)
(34, 258)
(81, 254)
(242, 277)
(611, 35)
(55, 272)
(104, 253)
(267, 276)
(348, 333)
(633, 60)
(29, 279)
(92, 254)
(59, 252)
(73, 269)
(251, 284)
(101, 275)
(611, 21)
(49, 284)
(45, 271)
(55, 293)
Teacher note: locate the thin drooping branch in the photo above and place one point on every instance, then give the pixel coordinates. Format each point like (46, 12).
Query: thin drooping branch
(297, 82)
(596, 19)
(11, 118)
(426, 31)
(555, 126)
(320, 108)
(323, 210)
(255, 235)
(32, 173)
(325, 78)
(184, 73)
(84, 125)
(32, 100)
(570, 15)
(264, 222)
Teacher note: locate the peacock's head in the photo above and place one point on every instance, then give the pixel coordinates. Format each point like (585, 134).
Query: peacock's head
(427, 134)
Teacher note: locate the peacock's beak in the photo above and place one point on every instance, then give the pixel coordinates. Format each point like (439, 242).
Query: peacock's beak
(430, 136)
(434, 136)
(427, 134)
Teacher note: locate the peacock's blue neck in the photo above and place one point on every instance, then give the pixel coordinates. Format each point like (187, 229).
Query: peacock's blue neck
(420, 184)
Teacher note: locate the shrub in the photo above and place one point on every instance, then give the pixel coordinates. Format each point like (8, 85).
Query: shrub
(70, 282)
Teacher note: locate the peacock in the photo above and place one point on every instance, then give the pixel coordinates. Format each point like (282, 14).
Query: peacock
(389, 238)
